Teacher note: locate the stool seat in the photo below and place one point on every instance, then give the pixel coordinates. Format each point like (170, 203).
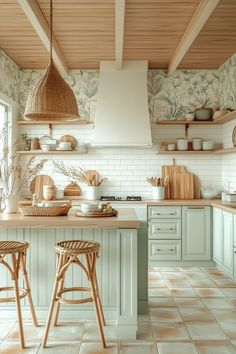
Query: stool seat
(8, 247)
(84, 254)
(77, 247)
(15, 251)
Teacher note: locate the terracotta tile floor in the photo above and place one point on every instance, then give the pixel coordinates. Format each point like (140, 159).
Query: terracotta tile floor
(191, 311)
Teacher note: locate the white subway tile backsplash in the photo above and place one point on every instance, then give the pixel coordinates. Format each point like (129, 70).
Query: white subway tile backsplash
(128, 168)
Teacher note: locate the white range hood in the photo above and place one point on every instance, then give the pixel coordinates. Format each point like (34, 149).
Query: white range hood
(122, 115)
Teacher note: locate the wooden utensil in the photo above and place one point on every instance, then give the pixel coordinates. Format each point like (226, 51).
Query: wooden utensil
(37, 183)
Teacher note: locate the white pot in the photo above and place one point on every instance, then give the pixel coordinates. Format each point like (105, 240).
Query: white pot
(11, 206)
(158, 193)
(182, 144)
(93, 192)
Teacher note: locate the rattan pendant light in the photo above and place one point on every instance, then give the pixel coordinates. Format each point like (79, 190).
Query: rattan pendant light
(51, 98)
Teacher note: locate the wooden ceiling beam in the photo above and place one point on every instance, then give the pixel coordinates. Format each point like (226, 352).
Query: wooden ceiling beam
(200, 17)
(120, 22)
(39, 23)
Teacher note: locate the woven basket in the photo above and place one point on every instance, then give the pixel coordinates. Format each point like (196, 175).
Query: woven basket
(29, 210)
(51, 98)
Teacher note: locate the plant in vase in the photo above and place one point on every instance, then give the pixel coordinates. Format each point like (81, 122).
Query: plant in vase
(14, 175)
(91, 178)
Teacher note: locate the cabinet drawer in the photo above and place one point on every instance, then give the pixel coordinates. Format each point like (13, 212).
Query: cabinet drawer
(164, 250)
(165, 229)
(164, 212)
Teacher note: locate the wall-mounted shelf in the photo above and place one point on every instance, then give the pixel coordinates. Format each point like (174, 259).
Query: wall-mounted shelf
(198, 152)
(51, 122)
(186, 152)
(221, 120)
(53, 152)
(226, 150)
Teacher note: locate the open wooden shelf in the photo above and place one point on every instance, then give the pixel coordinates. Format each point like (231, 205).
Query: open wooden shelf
(226, 150)
(183, 122)
(53, 152)
(51, 122)
(198, 152)
(186, 152)
(221, 120)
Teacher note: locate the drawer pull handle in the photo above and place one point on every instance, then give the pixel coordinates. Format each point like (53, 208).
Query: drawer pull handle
(172, 213)
(159, 229)
(171, 249)
(199, 208)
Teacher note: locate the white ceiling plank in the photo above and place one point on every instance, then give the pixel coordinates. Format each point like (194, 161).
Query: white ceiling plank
(120, 21)
(39, 23)
(200, 17)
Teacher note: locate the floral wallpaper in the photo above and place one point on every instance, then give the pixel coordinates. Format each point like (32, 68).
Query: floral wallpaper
(171, 96)
(228, 83)
(9, 77)
(83, 83)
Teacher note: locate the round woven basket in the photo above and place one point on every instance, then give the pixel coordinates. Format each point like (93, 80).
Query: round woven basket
(51, 98)
(29, 210)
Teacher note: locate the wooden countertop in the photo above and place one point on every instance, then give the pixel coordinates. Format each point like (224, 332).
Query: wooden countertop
(126, 218)
(151, 202)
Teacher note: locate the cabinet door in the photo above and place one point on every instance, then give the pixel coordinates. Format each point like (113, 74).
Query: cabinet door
(228, 240)
(196, 233)
(218, 235)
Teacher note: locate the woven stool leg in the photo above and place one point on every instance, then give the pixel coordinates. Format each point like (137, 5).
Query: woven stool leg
(53, 301)
(91, 261)
(99, 299)
(17, 297)
(60, 287)
(27, 287)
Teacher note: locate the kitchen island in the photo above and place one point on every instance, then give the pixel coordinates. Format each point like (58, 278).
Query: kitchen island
(116, 267)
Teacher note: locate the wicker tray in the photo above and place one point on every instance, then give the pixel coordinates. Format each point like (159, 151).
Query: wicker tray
(97, 214)
(29, 210)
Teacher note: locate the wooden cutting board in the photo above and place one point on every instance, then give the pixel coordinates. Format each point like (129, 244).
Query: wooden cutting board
(197, 187)
(72, 189)
(170, 170)
(182, 184)
(37, 183)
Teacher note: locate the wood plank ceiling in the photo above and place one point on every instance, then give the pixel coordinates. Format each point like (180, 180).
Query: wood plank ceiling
(85, 32)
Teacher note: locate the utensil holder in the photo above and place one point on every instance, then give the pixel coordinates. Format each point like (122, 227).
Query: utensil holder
(93, 192)
(158, 193)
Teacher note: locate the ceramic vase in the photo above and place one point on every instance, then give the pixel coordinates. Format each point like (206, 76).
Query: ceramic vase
(11, 206)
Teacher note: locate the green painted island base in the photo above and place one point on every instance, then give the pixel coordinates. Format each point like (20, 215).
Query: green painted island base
(116, 271)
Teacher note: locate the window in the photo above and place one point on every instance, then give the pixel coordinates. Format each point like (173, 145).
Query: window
(4, 111)
(3, 123)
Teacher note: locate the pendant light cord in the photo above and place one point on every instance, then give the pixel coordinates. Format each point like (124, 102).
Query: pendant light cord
(50, 31)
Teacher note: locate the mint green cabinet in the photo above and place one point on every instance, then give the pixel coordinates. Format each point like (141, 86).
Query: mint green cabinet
(223, 227)
(196, 233)
(218, 235)
(228, 241)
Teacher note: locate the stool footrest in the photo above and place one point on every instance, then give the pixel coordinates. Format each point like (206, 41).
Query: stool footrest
(23, 293)
(71, 301)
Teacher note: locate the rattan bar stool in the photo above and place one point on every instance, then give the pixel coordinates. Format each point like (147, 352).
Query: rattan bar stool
(17, 251)
(70, 252)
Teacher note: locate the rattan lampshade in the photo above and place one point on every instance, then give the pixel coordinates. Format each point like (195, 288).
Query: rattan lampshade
(51, 98)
